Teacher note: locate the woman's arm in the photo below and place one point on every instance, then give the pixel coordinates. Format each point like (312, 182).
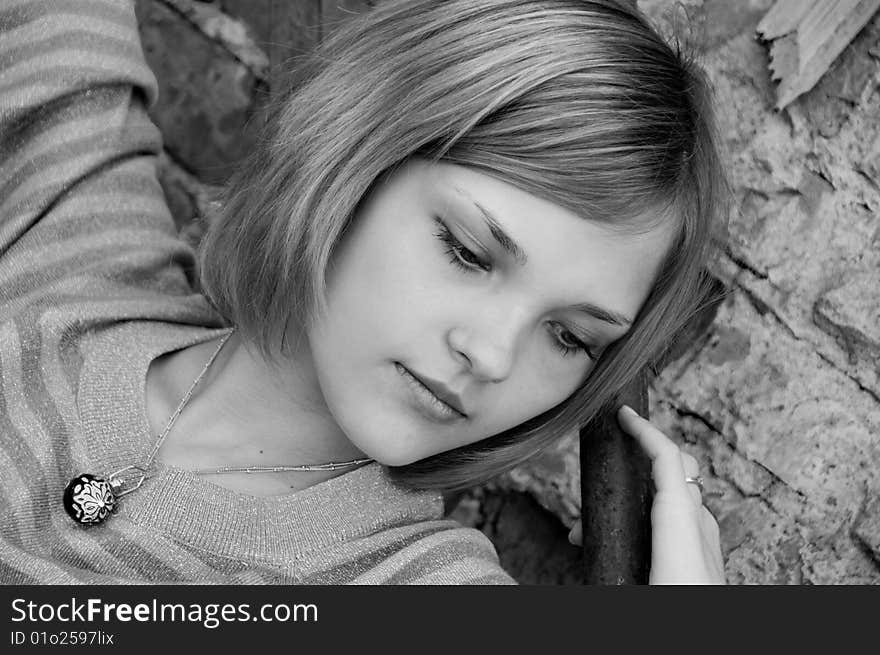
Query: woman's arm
(79, 198)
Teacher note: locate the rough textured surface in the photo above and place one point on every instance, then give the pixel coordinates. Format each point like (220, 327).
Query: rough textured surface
(234, 35)
(284, 30)
(867, 528)
(207, 97)
(779, 399)
(851, 313)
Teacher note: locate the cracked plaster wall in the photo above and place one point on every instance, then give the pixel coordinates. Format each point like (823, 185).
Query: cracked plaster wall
(779, 399)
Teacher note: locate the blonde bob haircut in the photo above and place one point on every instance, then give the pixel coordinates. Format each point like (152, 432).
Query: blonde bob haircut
(580, 103)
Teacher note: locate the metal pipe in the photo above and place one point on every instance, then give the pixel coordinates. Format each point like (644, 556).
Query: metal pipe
(616, 495)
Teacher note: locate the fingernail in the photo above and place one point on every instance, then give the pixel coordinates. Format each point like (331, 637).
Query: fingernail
(629, 410)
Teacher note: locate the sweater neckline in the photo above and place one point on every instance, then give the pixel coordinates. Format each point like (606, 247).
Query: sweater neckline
(208, 517)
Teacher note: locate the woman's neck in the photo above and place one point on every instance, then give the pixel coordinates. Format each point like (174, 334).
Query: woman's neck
(245, 413)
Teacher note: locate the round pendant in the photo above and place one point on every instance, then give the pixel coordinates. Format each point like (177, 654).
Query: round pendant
(89, 499)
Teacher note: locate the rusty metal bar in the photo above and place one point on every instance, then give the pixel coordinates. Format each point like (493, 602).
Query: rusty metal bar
(616, 494)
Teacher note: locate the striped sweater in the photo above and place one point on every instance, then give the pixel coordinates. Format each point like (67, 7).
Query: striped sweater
(93, 287)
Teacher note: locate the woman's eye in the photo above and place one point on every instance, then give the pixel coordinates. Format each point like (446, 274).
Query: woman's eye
(568, 344)
(459, 255)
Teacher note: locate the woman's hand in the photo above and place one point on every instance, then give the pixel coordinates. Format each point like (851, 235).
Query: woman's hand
(685, 547)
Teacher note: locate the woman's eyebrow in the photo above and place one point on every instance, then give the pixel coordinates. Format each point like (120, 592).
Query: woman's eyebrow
(602, 314)
(504, 240)
(514, 250)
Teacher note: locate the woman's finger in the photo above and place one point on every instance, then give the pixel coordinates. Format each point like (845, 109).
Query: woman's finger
(666, 462)
(710, 528)
(692, 470)
(684, 535)
(690, 463)
(711, 533)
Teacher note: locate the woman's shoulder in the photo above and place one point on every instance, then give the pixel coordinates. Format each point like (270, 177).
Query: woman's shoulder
(439, 552)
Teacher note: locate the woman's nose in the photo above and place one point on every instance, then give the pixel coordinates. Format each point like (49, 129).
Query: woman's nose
(487, 347)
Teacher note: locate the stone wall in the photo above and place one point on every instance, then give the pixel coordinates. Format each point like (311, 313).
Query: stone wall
(779, 399)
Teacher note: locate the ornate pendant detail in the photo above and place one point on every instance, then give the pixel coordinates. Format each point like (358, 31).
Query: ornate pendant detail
(89, 499)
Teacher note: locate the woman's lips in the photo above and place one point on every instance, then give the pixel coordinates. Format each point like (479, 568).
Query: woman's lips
(426, 401)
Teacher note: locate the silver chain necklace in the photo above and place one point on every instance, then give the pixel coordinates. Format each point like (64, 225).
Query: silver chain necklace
(89, 499)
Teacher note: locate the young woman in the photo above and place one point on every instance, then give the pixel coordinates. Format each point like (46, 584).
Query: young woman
(466, 227)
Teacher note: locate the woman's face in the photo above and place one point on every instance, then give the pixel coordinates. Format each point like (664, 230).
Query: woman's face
(453, 280)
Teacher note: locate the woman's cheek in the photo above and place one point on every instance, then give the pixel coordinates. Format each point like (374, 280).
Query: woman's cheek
(557, 377)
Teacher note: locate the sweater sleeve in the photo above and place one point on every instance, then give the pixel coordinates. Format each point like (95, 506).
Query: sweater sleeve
(445, 554)
(459, 556)
(81, 209)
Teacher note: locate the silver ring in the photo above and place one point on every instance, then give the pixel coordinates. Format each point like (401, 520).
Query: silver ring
(697, 481)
